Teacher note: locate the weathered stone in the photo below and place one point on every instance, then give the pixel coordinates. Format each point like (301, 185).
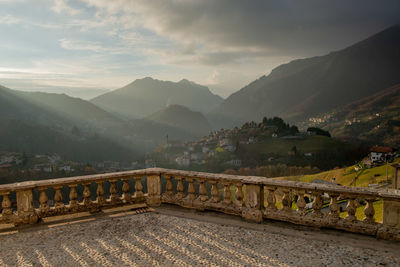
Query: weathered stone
(154, 190)
(254, 203)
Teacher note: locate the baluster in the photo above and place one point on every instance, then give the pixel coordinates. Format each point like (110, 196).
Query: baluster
(286, 200)
(301, 202)
(73, 196)
(369, 211)
(126, 196)
(180, 194)
(333, 207)
(202, 191)
(239, 195)
(100, 194)
(138, 187)
(43, 200)
(191, 190)
(271, 199)
(58, 199)
(317, 204)
(86, 195)
(114, 198)
(6, 204)
(351, 209)
(168, 186)
(214, 192)
(227, 193)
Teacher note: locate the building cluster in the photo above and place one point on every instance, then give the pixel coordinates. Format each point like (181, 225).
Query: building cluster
(54, 163)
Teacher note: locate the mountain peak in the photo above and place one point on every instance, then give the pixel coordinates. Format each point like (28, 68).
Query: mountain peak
(145, 96)
(186, 81)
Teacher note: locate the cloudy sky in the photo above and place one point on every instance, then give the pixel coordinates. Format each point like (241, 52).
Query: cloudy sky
(92, 45)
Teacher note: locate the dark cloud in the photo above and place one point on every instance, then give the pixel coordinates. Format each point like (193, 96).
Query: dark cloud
(283, 27)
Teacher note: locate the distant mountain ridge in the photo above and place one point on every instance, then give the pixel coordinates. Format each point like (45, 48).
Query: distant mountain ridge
(306, 87)
(55, 123)
(146, 96)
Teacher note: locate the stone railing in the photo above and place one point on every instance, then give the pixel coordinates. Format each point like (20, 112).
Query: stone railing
(253, 198)
(28, 202)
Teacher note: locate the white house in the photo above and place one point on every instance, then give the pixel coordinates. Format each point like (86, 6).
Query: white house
(379, 153)
(183, 161)
(205, 149)
(65, 168)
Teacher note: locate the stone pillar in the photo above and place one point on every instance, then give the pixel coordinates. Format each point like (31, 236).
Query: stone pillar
(391, 220)
(396, 177)
(391, 213)
(26, 212)
(154, 190)
(254, 203)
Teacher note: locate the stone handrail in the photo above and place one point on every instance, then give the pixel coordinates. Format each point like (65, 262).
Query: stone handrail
(251, 197)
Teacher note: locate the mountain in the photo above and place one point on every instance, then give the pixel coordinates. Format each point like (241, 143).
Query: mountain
(146, 96)
(306, 87)
(182, 118)
(176, 121)
(374, 119)
(55, 123)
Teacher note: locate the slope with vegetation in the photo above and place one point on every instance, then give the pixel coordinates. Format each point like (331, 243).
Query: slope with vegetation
(374, 119)
(306, 87)
(54, 123)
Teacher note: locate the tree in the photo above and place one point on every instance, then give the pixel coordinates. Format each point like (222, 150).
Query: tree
(318, 131)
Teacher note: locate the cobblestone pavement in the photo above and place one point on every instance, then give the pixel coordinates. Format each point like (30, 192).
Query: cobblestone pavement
(162, 240)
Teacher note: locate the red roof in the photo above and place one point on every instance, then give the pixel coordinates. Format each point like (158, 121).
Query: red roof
(381, 149)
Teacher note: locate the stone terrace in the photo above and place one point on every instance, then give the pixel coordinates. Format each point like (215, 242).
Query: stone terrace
(171, 236)
(172, 217)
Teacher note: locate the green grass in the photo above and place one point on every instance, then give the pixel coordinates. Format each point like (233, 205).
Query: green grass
(378, 206)
(345, 176)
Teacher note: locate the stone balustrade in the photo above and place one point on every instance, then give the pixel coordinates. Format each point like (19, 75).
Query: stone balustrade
(253, 198)
(39, 199)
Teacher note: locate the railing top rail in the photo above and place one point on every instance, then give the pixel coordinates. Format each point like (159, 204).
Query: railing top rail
(367, 192)
(75, 180)
(338, 189)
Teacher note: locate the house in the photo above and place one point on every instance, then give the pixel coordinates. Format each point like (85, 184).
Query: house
(65, 168)
(205, 149)
(43, 167)
(183, 161)
(174, 143)
(225, 142)
(10, 159)
(235, 162)
(230, 148)
(212, 153)
(380, 154)
(196, 156)
(251, 140)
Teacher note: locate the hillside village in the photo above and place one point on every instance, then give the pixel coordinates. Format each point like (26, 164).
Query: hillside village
(15, 166)
(271, 141)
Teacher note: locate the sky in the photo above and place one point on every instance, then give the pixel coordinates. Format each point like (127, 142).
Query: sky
(87, 47)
